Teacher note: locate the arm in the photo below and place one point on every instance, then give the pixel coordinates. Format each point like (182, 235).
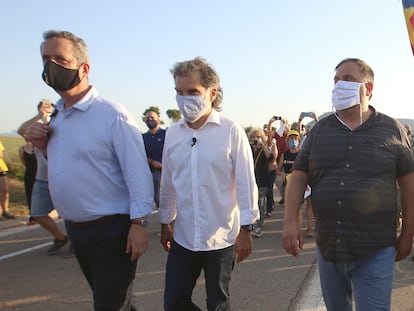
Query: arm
(130, 153)
(299, 125)
(21, 155)
(405, 239)
(246, 192)
(291, 236)
(42, 115)
(279, 170)
(269, 130)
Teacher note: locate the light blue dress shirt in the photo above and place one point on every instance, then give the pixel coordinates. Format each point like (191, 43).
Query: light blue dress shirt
(97, 161)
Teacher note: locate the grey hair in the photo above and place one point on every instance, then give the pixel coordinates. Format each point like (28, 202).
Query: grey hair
(80, 49)
(209, 77)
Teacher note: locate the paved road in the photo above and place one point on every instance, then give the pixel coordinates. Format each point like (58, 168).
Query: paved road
(268, 280)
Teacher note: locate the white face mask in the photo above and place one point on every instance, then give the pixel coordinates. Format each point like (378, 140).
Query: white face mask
(192, 107)
(346, 95)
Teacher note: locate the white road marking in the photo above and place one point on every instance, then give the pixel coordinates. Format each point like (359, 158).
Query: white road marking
(23, 251)
(310, 298)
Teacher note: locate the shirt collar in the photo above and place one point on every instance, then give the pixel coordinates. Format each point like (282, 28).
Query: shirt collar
(214, 117)
(83, 104)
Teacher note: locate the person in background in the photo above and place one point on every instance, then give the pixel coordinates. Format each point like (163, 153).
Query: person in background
(280, 135)
(99, 178)
(308, 192)
(287, 158)
(208, 188)
(353, 161)
(272, 167)
(262, 155)
(154, 144)
(4, 188)
(28, 158)
(41, 202)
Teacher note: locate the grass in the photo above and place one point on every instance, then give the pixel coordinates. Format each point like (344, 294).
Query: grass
(18, 204)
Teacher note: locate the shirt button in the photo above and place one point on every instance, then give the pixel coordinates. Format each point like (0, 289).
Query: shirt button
(338, 240)
(341, 183)
(350, 147)
(339, 202)
(338, 222)
(347, 165)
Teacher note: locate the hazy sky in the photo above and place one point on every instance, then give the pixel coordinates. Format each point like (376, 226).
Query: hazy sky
(274, 57)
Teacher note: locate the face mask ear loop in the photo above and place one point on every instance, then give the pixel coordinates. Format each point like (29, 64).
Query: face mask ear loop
(360, 114)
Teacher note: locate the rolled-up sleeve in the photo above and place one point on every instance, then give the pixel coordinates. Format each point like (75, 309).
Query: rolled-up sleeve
(130, 150)
(246, 188)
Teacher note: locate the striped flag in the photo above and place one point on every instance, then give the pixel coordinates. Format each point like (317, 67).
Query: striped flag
(408, 6)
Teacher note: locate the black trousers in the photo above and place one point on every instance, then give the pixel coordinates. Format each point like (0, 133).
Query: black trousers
(184, 268)
(100, 251)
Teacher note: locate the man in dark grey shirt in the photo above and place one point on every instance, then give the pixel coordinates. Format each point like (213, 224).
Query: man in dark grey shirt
(353, 161)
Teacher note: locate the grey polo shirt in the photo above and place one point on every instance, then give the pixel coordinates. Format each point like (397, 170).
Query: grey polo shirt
(353, 178)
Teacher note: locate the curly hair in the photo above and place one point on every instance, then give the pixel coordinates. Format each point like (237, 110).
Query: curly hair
(209, 77)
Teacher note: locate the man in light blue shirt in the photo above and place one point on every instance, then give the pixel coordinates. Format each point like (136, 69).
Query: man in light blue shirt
(99, 178)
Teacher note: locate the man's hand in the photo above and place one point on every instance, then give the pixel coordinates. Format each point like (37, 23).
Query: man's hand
(243, 245)
(167, 236)
(156, 164)
(137, 243)
(37, 135)
(404, 246)
(292, 239)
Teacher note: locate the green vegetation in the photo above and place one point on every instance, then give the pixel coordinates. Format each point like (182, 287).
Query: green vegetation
(11, 145)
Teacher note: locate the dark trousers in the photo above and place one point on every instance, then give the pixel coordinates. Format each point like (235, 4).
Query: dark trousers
(156, 178)
(270, 200)
(184, 268)
(100, 251)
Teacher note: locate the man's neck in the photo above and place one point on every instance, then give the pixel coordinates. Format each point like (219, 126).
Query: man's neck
(200, 122)
(354, 117)
(74, 95)
(154, 130)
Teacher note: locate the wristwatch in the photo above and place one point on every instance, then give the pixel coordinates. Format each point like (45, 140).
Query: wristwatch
(247, 227)
(142, 222)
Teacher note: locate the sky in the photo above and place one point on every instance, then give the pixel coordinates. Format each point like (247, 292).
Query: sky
(274, 57)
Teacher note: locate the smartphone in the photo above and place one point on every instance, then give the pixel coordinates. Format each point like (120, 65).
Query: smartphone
(277, 118)
(307, 114)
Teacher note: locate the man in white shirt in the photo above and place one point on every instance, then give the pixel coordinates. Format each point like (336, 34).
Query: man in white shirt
(207, 188)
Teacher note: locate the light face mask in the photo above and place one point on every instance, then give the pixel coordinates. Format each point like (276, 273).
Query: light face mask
(192, 107)
(293, 143)
(346, 95)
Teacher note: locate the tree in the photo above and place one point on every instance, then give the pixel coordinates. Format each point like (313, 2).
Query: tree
(174, 115)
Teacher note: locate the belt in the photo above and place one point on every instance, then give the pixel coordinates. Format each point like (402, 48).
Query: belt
(98, 221)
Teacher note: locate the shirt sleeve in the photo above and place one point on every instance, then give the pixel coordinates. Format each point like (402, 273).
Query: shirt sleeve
(246, 188)
(167, 209)
(130, 150)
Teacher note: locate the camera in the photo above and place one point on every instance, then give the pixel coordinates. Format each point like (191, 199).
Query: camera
(255, 141)
(277, 118)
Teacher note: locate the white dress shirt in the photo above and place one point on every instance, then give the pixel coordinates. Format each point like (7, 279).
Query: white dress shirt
(207, 185)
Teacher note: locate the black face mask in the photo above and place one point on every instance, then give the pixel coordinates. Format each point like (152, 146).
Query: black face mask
(151, 124)
(60, 78)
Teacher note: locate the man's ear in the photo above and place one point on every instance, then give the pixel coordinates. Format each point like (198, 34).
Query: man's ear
(213, 94)
(84, 70)
(369, 88)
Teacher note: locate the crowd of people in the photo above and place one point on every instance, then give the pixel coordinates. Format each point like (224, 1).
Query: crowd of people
(211, 198)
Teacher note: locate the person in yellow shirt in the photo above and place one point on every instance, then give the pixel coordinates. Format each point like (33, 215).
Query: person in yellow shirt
(4, 188)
